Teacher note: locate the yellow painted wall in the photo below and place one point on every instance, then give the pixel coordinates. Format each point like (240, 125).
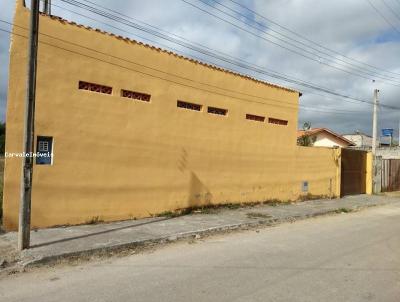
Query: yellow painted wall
(369, 179)
(117, 158)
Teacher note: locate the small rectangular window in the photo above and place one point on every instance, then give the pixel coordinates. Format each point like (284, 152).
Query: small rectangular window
(44, 150)
(277, 121)
(256, 118)
(95, 87)
(135, 95)
(218, 111)
(190, 106)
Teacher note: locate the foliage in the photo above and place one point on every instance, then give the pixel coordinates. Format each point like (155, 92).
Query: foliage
(306, 140)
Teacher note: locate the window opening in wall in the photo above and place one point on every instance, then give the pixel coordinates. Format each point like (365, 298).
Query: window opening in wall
(218, 111)
(256, 118)
(135, 95)
(189, 106)
(277, 121)
(95, 87)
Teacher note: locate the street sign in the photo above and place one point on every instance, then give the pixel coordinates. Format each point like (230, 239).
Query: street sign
(387, 132)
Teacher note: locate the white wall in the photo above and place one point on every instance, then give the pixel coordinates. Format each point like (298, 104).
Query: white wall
(359, 140)
(326, 140)
(388, 153)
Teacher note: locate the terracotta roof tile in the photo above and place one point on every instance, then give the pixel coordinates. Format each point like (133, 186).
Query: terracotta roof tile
(64, 21)
(315, 131)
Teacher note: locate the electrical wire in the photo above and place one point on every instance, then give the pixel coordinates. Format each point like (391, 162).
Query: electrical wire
(297, 82)
(309, 40)
(283, 46)
(292, 106)
(126, 22)
(383, 16)
(391, 9)
(124, 67)
(343, 62)
(306, 84)
(231, 91)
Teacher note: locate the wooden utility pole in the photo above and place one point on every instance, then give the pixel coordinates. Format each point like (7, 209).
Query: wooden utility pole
(24, 225)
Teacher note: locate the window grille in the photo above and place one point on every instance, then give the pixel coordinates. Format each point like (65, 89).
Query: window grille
(256, 118)
(135, 95)
(189, 106)
(95, 87)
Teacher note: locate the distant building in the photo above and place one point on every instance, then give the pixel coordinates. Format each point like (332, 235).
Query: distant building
(359, 139)
(364, 141)
(322, 137)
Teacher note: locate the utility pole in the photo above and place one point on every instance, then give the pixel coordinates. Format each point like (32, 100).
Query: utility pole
(47, 7)
(24, 225)
(375, 122)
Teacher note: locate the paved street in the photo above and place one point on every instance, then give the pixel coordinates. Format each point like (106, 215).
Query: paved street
(346, 257)
(53, 243)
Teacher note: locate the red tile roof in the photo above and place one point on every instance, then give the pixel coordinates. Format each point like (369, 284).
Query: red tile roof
(315, 131)
(64, 21)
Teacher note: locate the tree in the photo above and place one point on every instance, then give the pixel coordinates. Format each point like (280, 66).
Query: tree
(306, 140)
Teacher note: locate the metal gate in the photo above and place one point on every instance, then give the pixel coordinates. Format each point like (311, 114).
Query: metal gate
(390, 175)
(353, 179)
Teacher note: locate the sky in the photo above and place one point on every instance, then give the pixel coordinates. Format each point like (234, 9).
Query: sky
(349, 47)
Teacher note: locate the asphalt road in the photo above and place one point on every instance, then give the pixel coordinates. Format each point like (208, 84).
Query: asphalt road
(348, 257)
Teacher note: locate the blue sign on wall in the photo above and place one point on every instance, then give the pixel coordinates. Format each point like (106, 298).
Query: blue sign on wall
(387, 132)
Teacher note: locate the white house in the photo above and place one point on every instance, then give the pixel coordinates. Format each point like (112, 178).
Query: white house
(322, 137)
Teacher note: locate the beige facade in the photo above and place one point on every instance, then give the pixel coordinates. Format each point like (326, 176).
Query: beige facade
(326, 140)
(117, 157)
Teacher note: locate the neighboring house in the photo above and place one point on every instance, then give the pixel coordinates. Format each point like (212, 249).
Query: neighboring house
(359, 139)
(322, 137)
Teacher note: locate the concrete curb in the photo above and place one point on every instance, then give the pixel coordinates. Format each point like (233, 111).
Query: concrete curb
(26, 264)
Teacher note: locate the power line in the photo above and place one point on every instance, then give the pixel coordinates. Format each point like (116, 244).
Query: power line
(383, 16)
(126, 22)
(391, 9)
(252, 67)
(330, 56)
(124, 67)
(333, 111)
(309, 40)
(282, 46)
(155, 76)
(202, 59)
(190, 79)
(334, 93)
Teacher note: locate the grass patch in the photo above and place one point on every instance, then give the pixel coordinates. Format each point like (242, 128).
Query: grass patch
(310, 196)
(214, 209)
(169, 214)
(343, 210)
(273, 202)
(258, 215)
(94, 220)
